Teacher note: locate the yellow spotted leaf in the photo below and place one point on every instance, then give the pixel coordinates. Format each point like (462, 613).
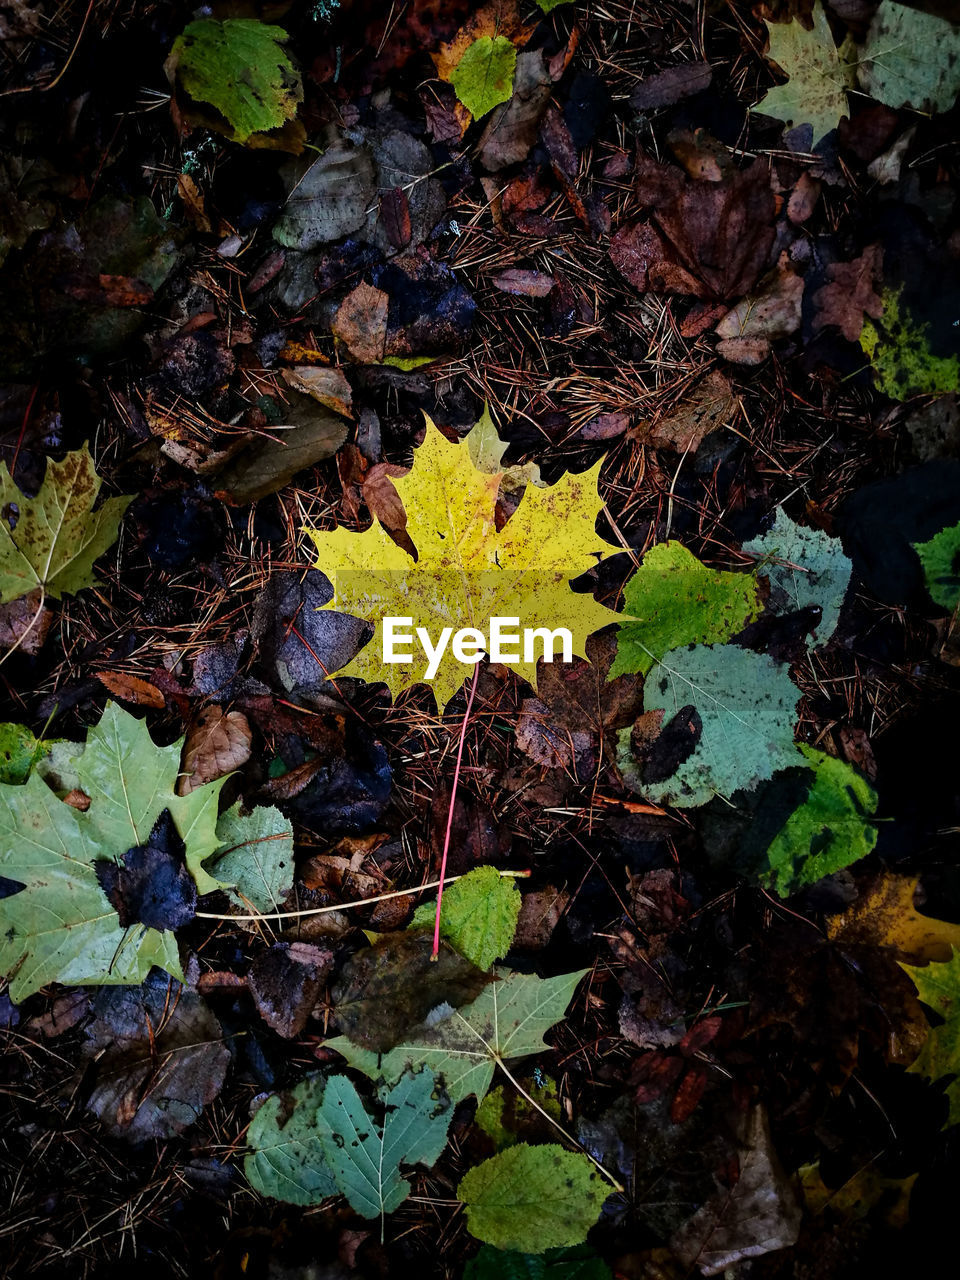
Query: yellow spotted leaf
(884, 916)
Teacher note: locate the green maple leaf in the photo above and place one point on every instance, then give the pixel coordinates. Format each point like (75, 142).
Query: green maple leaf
(58, 535)
(478, 916)
(816, 93)
(746, 703)
(239, 67)
(938, 986)
(483, 78)
(940, 557)
(674, 599)
(531, 1199)
(508, 1020)
(61, 926)
(467, 571)
(911, 59)
(328, 1143)
(804, 567)
(829, 831)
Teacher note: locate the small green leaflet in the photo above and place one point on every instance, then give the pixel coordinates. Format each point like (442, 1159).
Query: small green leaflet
(938, 985)
(747, 704)
(899, 350)
(327, 1142)
(486, 451)
(829, 831)
(911, 59)
(483, 78)
(241, 69)
(478, 916)
(676, 600)
(366, 1159)
(940, 557)
(58, 535)
(548, 6)
(258, 859)
(506, 1117)
(532, 1198)
(819, 75)
(507, 1020)
(19, 752)
(579, 1263)
(805, 567)
(61, 927)
(286, 1159)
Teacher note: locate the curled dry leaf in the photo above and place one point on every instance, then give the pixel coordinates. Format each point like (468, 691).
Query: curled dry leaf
(217, 743)
(328, 386)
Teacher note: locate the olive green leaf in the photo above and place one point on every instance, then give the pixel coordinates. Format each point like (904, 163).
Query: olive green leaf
(483, 78)
(532, 1198)
(57, 535)
(940, 557)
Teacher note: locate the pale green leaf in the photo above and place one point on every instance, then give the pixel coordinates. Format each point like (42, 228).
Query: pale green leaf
(486, 451)
(58, 535)
(673, 599)
(747, 705)
(940, 557)
(819, 75)
(478, 915)
(286, 1160)
(911, 59)
(829, 831)
(508, 1020)
(61, 927)
(804, 567)
(483, 78)
(241, 69)
(532, 1198)
(938, 986)
(365, 1158)
(256, 857)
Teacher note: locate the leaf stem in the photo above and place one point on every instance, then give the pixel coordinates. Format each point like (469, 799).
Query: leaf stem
(547, 1116)
(346, 906)
(453, 800)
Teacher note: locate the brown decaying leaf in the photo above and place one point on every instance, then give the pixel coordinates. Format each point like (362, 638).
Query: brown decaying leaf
(666, 88)
(759, 1213)
(773, 311)
(130, 688)
(361, 323)
(385, 989)
(523, 283)
(286, 982)
(395, 216)
(540, 913)
(160, 1056)
(706, 408)
(711, 239)
(22, 625)
(217, 743)
(851, 294)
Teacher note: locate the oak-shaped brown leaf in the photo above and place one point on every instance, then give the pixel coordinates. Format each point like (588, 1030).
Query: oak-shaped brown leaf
(711, 239)
(216, 744)
(851, 294)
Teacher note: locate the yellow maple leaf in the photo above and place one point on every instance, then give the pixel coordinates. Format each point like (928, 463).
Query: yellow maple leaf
(466, 571)
(885, 916)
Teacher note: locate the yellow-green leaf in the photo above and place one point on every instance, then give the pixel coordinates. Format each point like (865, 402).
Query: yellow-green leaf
(57, 535)
(466, 571)
(816, 93)
(483, 78)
